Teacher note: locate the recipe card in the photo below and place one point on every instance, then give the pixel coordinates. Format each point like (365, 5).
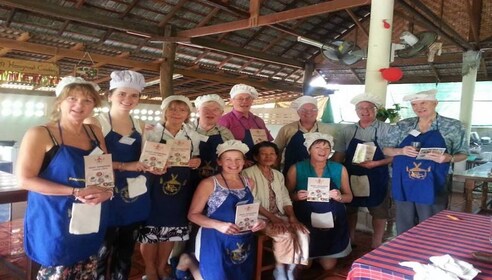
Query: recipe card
(425, 151)
(99, 170)
(364, 152)
(180, 153)
(155, 155)
(247, 215)
(318, 189)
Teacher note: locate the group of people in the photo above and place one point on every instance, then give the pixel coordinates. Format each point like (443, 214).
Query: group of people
(232, 161)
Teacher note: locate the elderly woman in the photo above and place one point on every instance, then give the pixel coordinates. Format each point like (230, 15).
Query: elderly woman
(123, 137)
(210, 108)
(291, 238)
(171, 192)
(224, 251)
(419, 184)
(319, 206)
(51, 167)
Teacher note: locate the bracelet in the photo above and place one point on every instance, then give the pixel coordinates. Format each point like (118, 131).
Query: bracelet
(452, 159)
(75, 192)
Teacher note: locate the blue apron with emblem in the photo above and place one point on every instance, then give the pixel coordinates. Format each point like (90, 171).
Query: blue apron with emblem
(419, 181)
(378, 176)
(171, 195)
(208, 156)
(225, 256)
(295, 150)
(46, 225)
(323, 242)
(125, 210)
(248, 138)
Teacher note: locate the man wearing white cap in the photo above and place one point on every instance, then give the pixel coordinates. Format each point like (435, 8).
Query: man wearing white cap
(243, 124)
(123, 137)
(291, 136)
(368, 179)
(210, 108)
(419, 184)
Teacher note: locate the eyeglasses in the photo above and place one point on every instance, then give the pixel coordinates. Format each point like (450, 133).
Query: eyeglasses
(365, 108)
(305, 111)
(243, 99)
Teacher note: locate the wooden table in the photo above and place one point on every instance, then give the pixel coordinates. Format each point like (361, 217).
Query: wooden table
(9, 191)
(479, 173)
(436, 236)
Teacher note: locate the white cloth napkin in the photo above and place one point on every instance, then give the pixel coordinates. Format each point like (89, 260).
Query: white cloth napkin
(136, 186)
(85, 218)
(443, 268)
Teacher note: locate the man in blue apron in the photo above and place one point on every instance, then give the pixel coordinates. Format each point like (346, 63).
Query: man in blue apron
(291, 136)
(423, 149)
(368, 177)
(244, 125)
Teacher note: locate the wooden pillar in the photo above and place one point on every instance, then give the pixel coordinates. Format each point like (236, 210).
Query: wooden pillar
(308, 76)
(167, 65)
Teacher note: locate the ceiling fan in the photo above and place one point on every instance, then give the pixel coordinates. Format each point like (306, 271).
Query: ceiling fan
(411, 45)
(344, 52)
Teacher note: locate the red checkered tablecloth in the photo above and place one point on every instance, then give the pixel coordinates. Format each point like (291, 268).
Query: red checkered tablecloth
(435, 236)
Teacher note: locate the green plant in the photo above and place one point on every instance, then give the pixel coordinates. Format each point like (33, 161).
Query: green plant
(389, 113)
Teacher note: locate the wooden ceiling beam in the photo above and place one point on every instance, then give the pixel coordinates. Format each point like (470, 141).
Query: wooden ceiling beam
(22, 38)
(298, 13)
(172, 12)
(357, 22)
(474, 10)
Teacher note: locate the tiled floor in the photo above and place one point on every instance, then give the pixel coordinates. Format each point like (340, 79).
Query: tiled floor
(362, 242)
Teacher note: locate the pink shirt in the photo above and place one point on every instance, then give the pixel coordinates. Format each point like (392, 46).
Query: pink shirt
(238, 124)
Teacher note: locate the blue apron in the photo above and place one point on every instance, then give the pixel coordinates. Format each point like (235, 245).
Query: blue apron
(125, 210)
(47, 240)
(208, 156)
(170, 195)
(295, 150)
(378, 176)
(419, 181)
(323, 242)
(225, 256)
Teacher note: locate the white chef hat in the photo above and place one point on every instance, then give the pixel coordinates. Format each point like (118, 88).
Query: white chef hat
(367, 97)
(297, 104)
(169, 99)
(242, 88)
(200, 100)
(309, 139)
(68, 80)
(423, 95)
(232, 145)
(127, 78)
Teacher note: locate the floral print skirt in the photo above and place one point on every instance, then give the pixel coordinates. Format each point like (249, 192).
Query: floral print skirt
(152, 234)
(81, 270)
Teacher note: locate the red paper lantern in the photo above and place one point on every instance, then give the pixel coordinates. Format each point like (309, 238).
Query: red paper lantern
(391, 74)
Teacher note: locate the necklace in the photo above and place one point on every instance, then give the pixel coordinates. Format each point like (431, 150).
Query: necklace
(225, 181)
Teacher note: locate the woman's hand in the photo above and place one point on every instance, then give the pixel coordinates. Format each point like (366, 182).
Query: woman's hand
(133, 166)
(259, 225)
(94, 194)
(158, 171)
(336, 195)
(300, 195)
(227, 228)
(409, 151)
(194, 163)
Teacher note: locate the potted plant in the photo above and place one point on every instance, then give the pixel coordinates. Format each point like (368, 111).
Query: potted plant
(389, 113)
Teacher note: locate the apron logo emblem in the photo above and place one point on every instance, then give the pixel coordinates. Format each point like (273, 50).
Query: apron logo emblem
(238, 255)
(418, 173)
(172, 186)
(124, 194)
(207, 170)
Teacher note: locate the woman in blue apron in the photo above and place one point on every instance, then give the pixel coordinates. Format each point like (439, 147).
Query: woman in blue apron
(131, 203)
(225, 252)
(51, 167)
(295, 150)
(170, 193)
(326, 220)
(419, 183)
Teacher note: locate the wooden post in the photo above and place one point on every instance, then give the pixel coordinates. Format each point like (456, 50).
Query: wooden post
(167, 65)
(308, 76)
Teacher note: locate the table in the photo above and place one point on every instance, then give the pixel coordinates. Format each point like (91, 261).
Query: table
(436, 236)
(9, 191)
(479, 173)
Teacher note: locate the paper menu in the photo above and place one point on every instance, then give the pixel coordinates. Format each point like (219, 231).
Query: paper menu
(424, 151)
(99, 170)
(155, 155)
(318, 189)
(247, 215)
(364, 152)
(180, 153)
